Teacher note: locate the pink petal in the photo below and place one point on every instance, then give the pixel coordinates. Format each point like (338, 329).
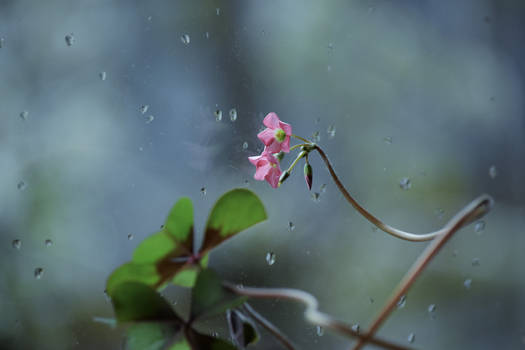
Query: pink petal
(274, 147)
(254, 159)
(266, 136)
(273, 177)
(262, 172)
(286, 127)
(271, 121)
(285, 145)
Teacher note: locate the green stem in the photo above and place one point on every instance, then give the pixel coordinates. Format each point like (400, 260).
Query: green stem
(301, 138)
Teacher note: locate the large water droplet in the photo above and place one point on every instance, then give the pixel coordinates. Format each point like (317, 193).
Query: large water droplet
(291, 226)
(493, 172)
(479, 226)
(102, 75)
(70, 39)
(17, 244)
(270, 258)
(467, 283)
(431, 308)
(405, 183)
(203, 191)
(233, 114)
(21, 185)
(319, 331)
(218, 115)
(143, 109)
(331, 131)
(411, 338)
(39, 272)
(48, 243)
(185, 38)
(402, 302)
(24, 115)
(149, 119)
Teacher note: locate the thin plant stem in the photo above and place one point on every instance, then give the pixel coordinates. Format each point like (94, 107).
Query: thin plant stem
(381, 225)
(299, 145)
(473, 211)
(312, 314)
(270, 327)
(302, 139)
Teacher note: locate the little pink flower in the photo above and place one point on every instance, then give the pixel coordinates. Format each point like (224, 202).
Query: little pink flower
(266, 168)
(276, 137)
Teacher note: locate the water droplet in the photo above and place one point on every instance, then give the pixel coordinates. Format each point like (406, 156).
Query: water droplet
(411, 338)
(102, 75)
(467, 283)
(48, 243)
(493, 172)
(402, 302)
(319, 330)
(106, 296)
(143, 109)
(215, 334)
(149, 119)
(329, 68)
(24, 115)
(371, 300)
(207, 35)
(316, 137)
(388, 140)
(479, 226)
(21, 185)
(322, 189)
(270, 258)
(431, 308)
(233, 114)
(218, 11)
(130, 236)
(203, 191)
(70, 39)
(356, 327)
(316, 197)
(185, 38)
(439, 213)
(475, 262)
(245, 145)
(405, 183)
(2, 41)
(291, 226)
(17, 244)
(39, 272)
(331, 131)
(149, 18)
(218, 115)
(141, 149)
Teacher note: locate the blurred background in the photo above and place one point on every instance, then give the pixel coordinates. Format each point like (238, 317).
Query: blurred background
(110, 111)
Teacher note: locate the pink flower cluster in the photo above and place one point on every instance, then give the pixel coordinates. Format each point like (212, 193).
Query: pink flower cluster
(276, 138)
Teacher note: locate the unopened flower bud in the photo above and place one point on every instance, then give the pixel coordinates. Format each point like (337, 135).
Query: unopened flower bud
(308, 175)
(284, 176)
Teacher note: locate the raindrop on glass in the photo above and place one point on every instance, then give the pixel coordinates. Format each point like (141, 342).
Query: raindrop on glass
(149, 119)
(331, 131)
(149, 18)
(319, 330)
(207, 35)
(439, 213)
(405, 183)
(218, 11)
(24, 115)
(388, 140)
(185, 38)
(316, 196)
(316, 137)
(70, 39)
(2, 41)
(218, 115)
(475, 262)
(479, 226)
(17, 244)
(291, 226)
(130, 236)
(270, 258)
(411, 338)
(467, 283)
(203, 191)
(233, 114)
(356, 327)
(106, 296)
(493, 172)
(371, 300)
(431, 308)
(39, 272)
(143, 109)
(322, 189)
(48, 243)
(102, 75)
(402, 302)
(21, 185)
(245, 145)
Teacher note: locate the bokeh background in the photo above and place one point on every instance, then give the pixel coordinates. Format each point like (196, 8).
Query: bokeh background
(431, 91)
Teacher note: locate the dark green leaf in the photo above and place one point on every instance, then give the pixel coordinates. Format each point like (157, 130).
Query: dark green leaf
(179, 223)
(235, 211)
(133, 301)
(205, 342)
(210, 298)
(149, 336)
(132, 272)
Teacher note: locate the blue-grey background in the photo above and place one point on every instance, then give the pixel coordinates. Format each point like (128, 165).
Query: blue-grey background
(428, 90)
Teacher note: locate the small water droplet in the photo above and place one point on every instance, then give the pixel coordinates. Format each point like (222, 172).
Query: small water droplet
(405, 183)
(322, 189)
(388, 140)
(291, 226)
(316, 197)
(411, 338)
(106, 296)
(479, 226)
(245, 145)
(207, 35)
(218, 115)
(493, 172)
(439, 213)
(185, 38)
(402, 302)
(431, 308)
(475, 262)
(70, 39)
(319, 331)
(331, 131)
(130, 236)
(203, 191)
(149, 18)
(24, 115)
(48, 243)
(218, 11)
(39, 272)
(141, 149)
(21, 185)
(215, 334)
(316, 137)
(233, 114)
(270, 258)
(143, 109)
(102, 75)
(2, 41)
(17, 244)
(374, 228)
(371, 300)
(356, 327)
(467, 283)
(149, 119)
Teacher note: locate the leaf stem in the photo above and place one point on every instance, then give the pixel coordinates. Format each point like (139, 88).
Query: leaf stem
(301, 138)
